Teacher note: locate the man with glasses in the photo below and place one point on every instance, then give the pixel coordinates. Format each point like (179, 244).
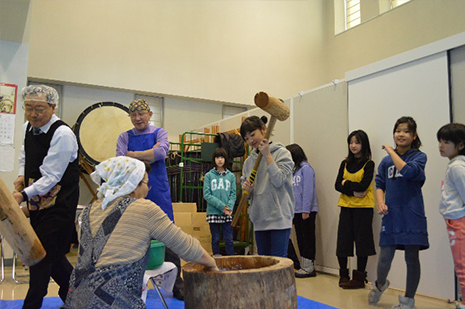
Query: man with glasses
(150, 144)
(48, 182)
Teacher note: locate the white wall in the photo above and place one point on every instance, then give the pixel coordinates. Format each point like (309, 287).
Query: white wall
(212, 50)
(13, 70)
(457, 72)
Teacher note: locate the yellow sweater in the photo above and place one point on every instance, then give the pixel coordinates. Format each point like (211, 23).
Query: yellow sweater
(357, 202)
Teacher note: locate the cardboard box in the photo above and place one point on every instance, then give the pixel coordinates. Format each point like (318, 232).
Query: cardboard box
(187, 229)
(183, 218)
(203, 230)
(199, 219)
(185, 207)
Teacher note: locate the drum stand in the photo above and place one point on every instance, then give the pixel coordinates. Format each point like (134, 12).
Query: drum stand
(86, 166)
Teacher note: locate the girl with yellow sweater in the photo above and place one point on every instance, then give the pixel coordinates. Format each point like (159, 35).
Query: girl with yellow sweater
(357, 201)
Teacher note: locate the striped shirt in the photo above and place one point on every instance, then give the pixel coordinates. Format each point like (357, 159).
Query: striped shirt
(142, 221)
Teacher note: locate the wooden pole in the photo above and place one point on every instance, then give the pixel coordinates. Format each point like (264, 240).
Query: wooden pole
(17, 231)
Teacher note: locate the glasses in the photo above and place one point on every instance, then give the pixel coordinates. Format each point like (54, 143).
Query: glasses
(147, 183)
(38, 110)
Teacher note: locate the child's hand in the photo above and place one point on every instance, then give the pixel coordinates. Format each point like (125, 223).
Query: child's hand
(264, 147)
(388, 148)
(246, 186)
(227, 211)
(305, 215)
(382, 209)
(360, 194)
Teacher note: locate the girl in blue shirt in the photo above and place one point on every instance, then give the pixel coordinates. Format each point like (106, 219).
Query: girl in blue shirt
(400, 177)
(219, 190)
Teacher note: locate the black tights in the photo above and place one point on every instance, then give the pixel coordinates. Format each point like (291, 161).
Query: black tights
(361, 262)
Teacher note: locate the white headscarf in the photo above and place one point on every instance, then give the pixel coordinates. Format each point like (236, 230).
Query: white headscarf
(121, 176)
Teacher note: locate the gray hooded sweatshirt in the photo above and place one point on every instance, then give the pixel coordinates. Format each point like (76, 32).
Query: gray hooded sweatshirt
(271, 199)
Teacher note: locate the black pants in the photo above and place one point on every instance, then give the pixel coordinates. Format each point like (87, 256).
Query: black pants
(55, 265)
(305, 232)
(170, 256)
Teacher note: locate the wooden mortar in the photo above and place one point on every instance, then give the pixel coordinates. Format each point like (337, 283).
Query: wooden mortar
(242, 282)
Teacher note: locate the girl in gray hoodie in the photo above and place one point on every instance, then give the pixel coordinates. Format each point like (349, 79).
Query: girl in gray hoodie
(271, 196)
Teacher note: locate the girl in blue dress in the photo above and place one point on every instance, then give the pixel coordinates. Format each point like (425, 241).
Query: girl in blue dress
(401, 175)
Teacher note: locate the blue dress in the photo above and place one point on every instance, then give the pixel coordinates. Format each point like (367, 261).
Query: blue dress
(405, 223)
(158, 177)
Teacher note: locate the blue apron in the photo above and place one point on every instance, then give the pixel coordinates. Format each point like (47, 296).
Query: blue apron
(158, 178)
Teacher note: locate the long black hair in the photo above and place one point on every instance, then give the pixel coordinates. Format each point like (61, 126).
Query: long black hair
(362, 138)
(453, 132)
(412, 126)
(298, 155)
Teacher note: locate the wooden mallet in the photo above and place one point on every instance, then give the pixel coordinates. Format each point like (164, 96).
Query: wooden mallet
(278, 111)
(17, 230)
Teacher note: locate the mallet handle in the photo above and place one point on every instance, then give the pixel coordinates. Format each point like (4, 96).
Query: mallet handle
(253, 173)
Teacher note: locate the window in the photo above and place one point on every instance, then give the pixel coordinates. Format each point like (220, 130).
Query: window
(352, 13)
(386, 5)
(229, 111)
(156, 106)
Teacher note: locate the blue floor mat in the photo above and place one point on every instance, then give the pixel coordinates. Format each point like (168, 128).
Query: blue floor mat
(153, 302)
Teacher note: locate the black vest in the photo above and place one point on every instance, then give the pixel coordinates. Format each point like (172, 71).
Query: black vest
(55, 218)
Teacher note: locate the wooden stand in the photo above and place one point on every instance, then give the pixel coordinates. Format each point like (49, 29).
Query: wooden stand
(86, 166)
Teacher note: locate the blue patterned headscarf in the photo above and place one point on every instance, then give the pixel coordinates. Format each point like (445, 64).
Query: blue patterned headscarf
(120, 175)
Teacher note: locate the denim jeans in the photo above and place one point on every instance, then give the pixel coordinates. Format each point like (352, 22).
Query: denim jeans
(215, 229)
(273, 242)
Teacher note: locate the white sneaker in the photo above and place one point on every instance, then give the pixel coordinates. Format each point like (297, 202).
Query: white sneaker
(217, 255)
(302, 273)
(405, 303)
(375, 295)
